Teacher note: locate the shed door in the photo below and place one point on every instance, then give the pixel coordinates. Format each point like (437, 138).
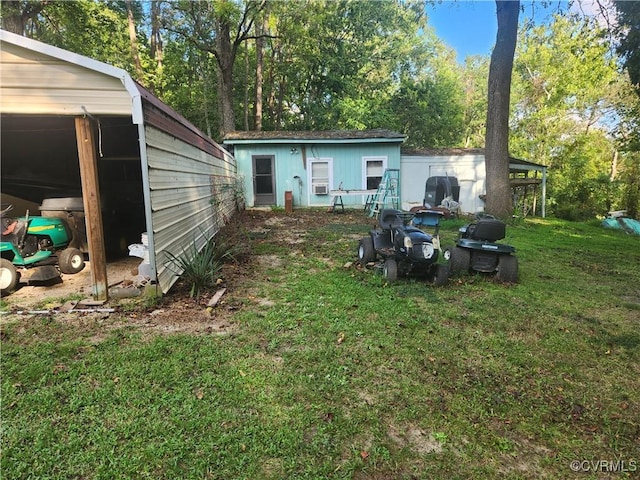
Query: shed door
(264, 184)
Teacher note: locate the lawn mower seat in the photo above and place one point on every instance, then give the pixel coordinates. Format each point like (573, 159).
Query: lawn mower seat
(489, 229)
(390, 218)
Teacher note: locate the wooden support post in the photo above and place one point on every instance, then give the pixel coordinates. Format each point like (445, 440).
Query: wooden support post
(92, 210)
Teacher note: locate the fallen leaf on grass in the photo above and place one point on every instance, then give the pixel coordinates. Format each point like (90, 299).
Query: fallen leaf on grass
(364, 454)
(328, 417)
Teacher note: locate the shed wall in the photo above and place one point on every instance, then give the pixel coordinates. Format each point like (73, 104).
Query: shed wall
(468, 169)
(34, 83)
(347, 168)
(192, 194)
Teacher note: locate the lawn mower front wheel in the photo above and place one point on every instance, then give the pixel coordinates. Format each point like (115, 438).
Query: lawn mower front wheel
(8, 276)
(71, 260)
(366, 252)
(440, 275)
(390, 270)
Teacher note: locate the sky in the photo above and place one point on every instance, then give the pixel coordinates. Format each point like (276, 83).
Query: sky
(470, 26)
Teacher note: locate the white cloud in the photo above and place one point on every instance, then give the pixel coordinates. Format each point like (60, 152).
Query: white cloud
(602, 10)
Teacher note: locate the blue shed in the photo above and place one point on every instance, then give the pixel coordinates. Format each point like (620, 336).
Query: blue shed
(312, 164)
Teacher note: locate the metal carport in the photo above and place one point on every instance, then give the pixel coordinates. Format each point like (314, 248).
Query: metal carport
(73, 125)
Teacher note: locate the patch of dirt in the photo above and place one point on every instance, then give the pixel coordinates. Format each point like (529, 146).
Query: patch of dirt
(177, 311)
(27, 297)
(413, 437)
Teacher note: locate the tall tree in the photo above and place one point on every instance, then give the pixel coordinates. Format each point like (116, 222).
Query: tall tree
(498, 200)
(218, 28)
(567, 106)
(18, 14)
(261, 26)
(629, 33)
(429, 112)
(336, 64)
(133, 39)
(475, 79)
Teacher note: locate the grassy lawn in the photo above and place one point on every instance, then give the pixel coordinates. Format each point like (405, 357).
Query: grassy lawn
(332, 373)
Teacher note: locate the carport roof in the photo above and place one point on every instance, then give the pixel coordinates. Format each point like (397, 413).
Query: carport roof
(144, 107)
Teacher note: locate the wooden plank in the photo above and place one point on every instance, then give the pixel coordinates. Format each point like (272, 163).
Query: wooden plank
(515, 182)
(91, 200)
(347, 193)
(216, 298)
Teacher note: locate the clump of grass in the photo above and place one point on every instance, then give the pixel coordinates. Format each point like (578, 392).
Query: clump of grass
(201, 268)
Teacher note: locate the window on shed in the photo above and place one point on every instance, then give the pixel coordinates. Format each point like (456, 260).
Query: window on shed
(374, 169)
(320, 172)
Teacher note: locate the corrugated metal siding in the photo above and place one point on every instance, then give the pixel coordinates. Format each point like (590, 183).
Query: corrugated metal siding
(33, 83)
(192, 197)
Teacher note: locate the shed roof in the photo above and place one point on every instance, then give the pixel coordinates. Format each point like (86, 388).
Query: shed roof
(330, 136)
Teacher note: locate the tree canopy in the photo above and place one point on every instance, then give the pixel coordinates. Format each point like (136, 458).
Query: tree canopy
(349, 64)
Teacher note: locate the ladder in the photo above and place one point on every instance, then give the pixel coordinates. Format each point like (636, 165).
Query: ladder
(388, 193)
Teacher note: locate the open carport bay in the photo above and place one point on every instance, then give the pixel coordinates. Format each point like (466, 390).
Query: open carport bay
(39, 161)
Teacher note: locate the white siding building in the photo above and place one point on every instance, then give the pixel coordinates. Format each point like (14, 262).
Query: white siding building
(468, 166)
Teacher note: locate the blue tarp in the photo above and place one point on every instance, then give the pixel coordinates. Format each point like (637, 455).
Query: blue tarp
(629, 225)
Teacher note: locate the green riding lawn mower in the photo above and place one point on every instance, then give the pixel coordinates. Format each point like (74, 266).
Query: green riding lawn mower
(36, 249)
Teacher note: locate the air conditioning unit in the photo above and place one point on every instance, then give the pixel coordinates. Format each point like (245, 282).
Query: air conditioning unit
(321, 189)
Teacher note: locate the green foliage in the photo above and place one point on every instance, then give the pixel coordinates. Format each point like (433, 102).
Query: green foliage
(188, 84)
(429, 112)
(582, 186)
(236, 191)
(90, 28)
(338, 64)
(629, 47)
(475, 85)
(565, 86)
(352, 64)
(630, 184)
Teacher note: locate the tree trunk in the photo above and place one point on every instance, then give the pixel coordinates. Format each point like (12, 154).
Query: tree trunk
(498, 201)
(225, 56)
(16, 14)
(133, 39)
(246, 86)
(156, 39)
(205, 101)
(260, 29)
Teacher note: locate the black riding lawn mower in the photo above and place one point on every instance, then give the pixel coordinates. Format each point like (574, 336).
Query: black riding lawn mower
(404, 249)
(477, 249)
